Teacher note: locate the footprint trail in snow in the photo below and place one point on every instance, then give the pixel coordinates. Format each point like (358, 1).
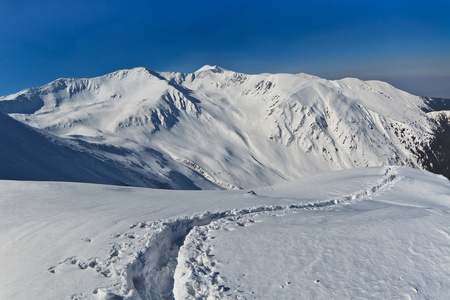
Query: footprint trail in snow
(147, 263)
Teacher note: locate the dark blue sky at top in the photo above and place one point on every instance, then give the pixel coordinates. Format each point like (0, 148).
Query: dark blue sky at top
(406, 43)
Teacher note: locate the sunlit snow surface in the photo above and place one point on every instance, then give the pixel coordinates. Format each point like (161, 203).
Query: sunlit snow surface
(381, 232)
(211, 129)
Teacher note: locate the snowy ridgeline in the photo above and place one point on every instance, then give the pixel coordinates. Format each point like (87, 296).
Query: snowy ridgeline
(369, 233)
(212, 129)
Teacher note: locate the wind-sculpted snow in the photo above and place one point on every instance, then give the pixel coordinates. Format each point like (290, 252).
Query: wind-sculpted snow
(215, 129)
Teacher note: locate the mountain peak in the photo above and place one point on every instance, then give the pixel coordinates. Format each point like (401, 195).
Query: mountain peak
(308, 76)
(215, 69)
(135, 71)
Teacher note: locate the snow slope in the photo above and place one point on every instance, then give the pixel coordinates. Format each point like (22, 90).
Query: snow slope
(31, 154)
(381, 232)
(216, 128)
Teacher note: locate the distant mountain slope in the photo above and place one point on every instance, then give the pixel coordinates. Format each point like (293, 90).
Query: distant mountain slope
(33, 155)
(30, 154)
(218, 128)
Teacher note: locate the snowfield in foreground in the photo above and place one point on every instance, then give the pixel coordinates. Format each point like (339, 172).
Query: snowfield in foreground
(381, 232)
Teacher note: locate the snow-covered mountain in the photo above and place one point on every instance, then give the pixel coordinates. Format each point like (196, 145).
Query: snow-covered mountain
(216, 128)
(377, 232)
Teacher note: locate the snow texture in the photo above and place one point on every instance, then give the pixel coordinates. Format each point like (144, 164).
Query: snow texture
(379, 232)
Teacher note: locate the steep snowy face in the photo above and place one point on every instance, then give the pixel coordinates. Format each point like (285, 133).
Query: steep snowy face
(230, 129)
(102, 105)
(299, 124)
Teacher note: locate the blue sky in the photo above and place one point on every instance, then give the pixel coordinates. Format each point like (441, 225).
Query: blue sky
(406, 43)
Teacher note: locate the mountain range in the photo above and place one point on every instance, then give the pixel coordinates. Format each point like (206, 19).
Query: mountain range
(215, 129)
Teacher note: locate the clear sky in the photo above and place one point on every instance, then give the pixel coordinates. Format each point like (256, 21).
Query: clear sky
(406, 43)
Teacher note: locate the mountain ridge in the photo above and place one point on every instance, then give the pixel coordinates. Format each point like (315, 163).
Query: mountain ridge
(224, 129)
